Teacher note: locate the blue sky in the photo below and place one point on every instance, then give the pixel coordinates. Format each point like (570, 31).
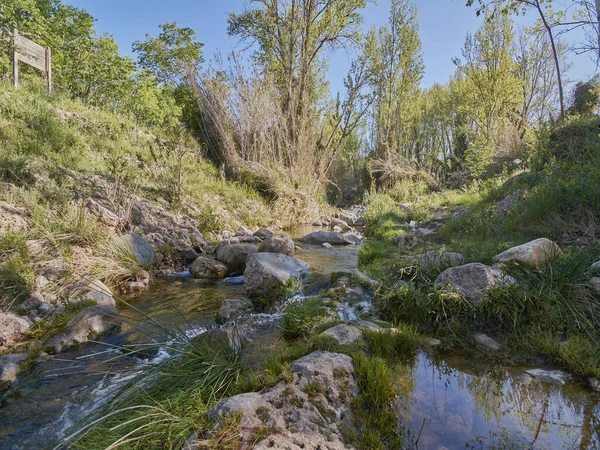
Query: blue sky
(443, 26)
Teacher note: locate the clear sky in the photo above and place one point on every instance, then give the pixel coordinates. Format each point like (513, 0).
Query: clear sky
(443, 26)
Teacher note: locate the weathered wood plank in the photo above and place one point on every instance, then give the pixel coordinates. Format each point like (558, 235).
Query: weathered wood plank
(29, 52)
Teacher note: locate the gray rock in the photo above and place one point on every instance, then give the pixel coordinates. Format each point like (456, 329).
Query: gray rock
(594, 384)
(132, 242)
(353, 216)
(533, 255)
(595, 266)
(99, 293)
(509, 202)
(437, 259)
(40, 282)
(263, 233)
(103, 214)
(326, 245)
(12, 329)
(277, 243)
(267, 273)
(235, 256)
(207, 267)
(353, 238)
(330, 237)
(549, 376)
(344, 334)
(341, 224)
(308, 412)
(52, 270)
(473, 280)
(431, 342)
(485, 341)
(85, 326)
(420, 232)
(595, 282)
(9, 368)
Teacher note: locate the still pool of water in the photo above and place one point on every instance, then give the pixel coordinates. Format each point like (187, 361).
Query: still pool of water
(468, 402)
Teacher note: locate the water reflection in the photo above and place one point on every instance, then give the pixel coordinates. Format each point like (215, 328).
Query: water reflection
(465, 403)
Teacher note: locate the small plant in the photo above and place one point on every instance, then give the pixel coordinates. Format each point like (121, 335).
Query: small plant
(300, 318)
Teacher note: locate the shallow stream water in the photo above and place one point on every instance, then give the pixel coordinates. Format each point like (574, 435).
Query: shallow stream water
(447, 401)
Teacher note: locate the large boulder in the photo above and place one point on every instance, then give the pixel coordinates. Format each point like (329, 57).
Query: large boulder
(473, 280)
(234, 256)
(12, 329)
(329, 237)
(207, 267)
(307, 412)
(136, 244)
(277, 243)
(267, 275)
(85, 326)
(532, 255)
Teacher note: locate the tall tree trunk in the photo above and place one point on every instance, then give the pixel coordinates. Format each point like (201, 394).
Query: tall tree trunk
(555, 54)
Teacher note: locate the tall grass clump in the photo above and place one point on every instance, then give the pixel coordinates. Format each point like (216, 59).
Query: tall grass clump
(165, 403)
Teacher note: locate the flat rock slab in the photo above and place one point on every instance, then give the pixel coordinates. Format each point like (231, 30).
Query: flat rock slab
(344, 334)
(436, 259)
(532, 255)
(329, 237)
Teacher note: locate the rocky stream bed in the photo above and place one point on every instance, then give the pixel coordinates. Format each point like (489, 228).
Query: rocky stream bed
(446, 400)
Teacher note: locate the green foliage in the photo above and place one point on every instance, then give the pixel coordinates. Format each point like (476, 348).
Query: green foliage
(16, 275)
(300, 318)
(171, 399)
(172, 56)
(379, 427)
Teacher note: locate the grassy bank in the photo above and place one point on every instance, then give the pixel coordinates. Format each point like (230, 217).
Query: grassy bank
(56, 152)
(552, 311)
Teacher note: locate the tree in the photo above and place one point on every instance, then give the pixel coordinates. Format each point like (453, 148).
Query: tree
(546, 15)
(174, 57)
(489, 68)
(397, 71)
(292, 36)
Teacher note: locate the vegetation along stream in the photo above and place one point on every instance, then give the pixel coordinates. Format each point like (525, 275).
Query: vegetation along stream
(444, 399)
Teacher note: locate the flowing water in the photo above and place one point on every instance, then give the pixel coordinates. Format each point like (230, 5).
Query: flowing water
(447, 401)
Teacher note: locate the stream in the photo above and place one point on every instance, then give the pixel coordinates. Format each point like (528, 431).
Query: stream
(455, 400)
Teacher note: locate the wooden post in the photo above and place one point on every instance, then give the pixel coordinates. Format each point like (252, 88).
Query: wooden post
(49, 69)
(15, 61)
